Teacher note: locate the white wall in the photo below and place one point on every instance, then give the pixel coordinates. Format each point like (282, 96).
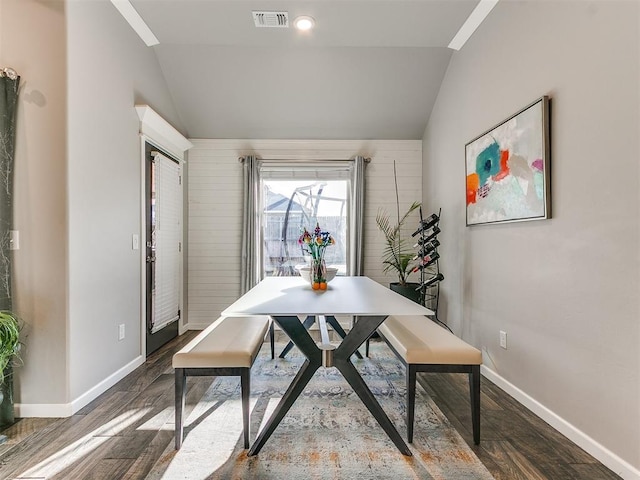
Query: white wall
(565, 289)
(215, 207)
(77, 190)
(33, 42)
(110, 70)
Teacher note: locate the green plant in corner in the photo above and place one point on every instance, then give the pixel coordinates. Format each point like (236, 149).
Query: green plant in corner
(10, 326)
(397, 254)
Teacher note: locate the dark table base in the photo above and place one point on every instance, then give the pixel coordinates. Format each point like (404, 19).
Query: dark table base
(310, 320)
(325, 355)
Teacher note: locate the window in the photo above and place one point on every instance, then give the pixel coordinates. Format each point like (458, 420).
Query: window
(300, 195)
(291, 205)
(281, 197)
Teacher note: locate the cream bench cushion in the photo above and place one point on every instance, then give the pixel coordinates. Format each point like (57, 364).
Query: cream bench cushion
(227, 342)
(227, 347)
(419, 340)
(424, 346)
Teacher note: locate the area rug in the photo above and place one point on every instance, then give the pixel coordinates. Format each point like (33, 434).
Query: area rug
(327, 433)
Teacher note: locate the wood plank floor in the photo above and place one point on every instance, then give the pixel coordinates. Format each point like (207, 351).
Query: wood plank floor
(515, 443)
(122, 433)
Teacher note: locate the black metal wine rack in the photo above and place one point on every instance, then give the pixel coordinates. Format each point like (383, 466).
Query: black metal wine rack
(428, 264)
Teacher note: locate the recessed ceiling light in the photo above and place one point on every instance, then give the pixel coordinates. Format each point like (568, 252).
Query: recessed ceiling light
(304, 23)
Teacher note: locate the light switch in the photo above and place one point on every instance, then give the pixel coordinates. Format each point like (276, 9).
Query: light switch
(503, 339)
(135, 242)
(14, 240)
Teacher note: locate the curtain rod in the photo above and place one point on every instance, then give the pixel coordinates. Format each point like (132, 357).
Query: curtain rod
(366, 159)
(8, 72)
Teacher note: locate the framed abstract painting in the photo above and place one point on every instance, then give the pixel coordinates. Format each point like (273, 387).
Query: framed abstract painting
(508, 169)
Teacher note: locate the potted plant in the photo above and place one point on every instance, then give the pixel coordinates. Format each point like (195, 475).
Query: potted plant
(10, 326)
(398, 254)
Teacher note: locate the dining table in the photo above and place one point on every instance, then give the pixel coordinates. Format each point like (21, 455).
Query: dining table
(288, 299)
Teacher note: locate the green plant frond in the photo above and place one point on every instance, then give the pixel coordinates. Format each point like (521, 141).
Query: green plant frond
(387, 265)
(10, 326)
(396, 255)
(384, 223)
(405, 262)
(413, 206)
(390, 254)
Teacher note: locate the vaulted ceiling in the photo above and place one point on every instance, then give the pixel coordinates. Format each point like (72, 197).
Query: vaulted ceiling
(370, 69)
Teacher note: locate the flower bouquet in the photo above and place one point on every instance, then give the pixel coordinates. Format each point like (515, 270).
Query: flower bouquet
(315, 245)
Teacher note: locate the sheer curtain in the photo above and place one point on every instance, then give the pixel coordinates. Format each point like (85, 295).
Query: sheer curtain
(254, 169)
(9, 83)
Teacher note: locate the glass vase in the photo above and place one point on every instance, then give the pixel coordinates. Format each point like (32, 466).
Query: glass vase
(318, 273)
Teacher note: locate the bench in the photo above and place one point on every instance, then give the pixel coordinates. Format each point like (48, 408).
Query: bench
(424, 346)
(227, 347)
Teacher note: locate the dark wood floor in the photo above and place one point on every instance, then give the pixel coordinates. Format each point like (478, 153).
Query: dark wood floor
(122, 433)
(515, 443)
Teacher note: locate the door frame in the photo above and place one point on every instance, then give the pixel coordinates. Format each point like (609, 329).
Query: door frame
(156, 340)
(157, 132)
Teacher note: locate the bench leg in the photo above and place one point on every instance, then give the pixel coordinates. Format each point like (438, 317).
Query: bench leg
(411, 400)
(181, 390)
(245, 384)
(474, 386)
(272, 339)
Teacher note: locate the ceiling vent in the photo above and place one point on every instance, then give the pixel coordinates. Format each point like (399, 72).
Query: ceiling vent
(271, 19)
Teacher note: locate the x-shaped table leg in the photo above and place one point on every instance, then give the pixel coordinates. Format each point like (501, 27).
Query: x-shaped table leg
(310, 320)
(299, 335)
(338, 358)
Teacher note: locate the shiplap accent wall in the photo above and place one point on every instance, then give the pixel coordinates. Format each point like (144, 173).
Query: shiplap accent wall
(215, 207)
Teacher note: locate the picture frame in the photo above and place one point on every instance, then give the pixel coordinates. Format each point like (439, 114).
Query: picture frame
(508, 177)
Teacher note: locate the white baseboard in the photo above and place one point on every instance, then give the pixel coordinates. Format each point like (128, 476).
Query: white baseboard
(43, 410)
(595, 449)
(57, 410)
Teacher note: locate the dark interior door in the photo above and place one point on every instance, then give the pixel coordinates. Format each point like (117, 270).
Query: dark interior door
(157, 339)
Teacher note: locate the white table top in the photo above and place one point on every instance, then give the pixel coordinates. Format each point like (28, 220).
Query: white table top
(344, 296)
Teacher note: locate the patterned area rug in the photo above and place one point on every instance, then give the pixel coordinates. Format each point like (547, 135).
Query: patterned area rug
(328, 433)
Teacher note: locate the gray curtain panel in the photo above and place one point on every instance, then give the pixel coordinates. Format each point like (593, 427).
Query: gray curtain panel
(250, 272)
(356, 259)
(8, 107)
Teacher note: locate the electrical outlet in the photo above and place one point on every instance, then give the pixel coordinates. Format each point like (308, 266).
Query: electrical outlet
(503, 339)
(121, 331)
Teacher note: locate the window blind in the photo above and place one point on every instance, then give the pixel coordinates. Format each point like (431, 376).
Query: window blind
(168, 234)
